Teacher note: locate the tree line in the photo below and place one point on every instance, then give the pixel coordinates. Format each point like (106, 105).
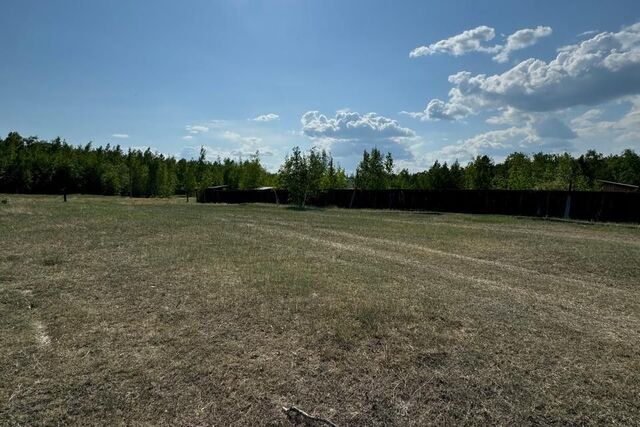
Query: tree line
(31, 165)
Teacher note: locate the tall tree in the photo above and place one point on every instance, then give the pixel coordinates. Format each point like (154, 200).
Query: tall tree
(373, 171)
(479, 173)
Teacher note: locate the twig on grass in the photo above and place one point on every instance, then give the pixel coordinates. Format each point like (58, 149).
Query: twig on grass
(299, 417)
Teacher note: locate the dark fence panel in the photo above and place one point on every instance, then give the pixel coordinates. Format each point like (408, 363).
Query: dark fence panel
(584, 205)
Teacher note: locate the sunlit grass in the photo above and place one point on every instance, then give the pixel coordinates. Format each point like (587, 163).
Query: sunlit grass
(155, 311)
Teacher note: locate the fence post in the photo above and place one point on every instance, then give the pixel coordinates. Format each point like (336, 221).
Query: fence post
(353, 196)
(567, 206)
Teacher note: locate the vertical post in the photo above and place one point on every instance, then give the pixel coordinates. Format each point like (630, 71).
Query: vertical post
(567, 206)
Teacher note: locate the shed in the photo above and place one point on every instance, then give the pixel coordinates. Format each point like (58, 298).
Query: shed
(217, 187)
(617, 186)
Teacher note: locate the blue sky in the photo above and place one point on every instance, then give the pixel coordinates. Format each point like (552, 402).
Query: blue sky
(425, 80)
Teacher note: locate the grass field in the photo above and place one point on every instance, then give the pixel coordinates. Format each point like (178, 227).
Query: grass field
(156, 312)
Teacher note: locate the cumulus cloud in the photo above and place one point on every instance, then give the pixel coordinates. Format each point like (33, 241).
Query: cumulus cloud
(617, 133)
(540, 125)
(187, 137)
(521, 39)
(547, 133)
(248, 142)
(475, 40)
(596, 70)
(440, 110)
(524, 132)
(349, 133)
(266, 118)
(120, 135)
(494, 143)
(196, 129)
(460, 44)
(352, 125)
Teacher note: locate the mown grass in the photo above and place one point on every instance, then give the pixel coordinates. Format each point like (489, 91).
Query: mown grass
(158, 312)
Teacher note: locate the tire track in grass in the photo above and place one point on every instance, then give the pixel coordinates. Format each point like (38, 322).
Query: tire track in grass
(376, 253)
(599, 287)
(521, 230)
(511, 229)
(524, 271)
(412, 246)
(564, 306)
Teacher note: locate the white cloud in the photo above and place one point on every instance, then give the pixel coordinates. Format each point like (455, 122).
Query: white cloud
(525, 132)
(521, 39)
(266, 118)
(587, 118)
(539, 133)
(213, 153)
(236, 137)
(412, 114)
(599, 69)
(614, 134)
(588, 33)
(465, 42)
(120, 135)
(440, 110)
(352, 125)
(196, 129)
(475, 40)
(243, 146)
(349, 133)
(493, 143)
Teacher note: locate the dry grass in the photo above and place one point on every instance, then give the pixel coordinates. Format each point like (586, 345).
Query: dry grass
(155, 312)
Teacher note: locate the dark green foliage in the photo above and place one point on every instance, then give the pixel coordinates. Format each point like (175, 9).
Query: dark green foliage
(29, 165)
(519, 171)
(374, 172)
(335, 177)
(479, 173)
(304, 175)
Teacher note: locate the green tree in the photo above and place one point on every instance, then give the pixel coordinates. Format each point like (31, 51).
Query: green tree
(479, 173)
(519, 174)
(302, 175)
(190, 184)
(456, 176)
(373, 172)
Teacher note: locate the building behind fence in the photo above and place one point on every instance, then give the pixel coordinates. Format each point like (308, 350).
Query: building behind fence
(583, 205)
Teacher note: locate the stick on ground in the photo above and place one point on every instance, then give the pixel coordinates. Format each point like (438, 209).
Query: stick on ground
(299, 417)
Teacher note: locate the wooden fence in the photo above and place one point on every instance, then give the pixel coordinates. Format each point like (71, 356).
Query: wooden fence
(583, 205)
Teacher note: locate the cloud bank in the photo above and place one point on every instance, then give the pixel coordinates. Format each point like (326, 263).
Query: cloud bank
(602, 68)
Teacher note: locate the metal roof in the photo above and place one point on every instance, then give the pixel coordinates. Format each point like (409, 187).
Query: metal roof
(618, 183)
